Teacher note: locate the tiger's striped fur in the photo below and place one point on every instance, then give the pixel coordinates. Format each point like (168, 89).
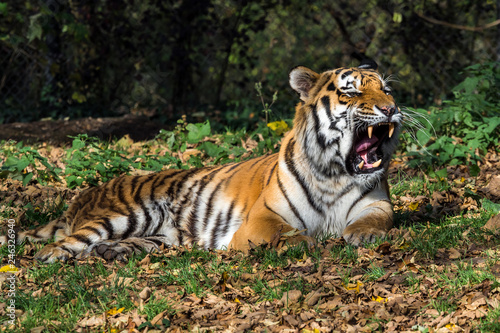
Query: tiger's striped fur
(326, 179)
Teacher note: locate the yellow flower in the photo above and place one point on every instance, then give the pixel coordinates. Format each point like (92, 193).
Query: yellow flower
(114, 311)
(9, 269)
(379, 299)
(279, 127)
(413, 206)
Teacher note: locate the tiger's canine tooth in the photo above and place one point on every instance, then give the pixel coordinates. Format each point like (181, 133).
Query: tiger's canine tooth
(377, 164)
(360, 165)
(370, 131)
(391, 129)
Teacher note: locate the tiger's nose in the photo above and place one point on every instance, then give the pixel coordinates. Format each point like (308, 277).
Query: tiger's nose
(388, 110)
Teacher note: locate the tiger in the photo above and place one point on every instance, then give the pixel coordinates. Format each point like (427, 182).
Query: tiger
(328, 178)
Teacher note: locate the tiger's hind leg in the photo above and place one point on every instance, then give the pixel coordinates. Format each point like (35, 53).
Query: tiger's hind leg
(88, 233)
(57, 229)
(122, 249)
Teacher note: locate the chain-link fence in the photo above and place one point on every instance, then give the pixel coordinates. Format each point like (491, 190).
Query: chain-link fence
(107, 57)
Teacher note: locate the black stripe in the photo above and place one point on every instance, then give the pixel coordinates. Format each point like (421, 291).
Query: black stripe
(229, 217)
(331, 87)
(133, 184)
(218, 222)
(106, 223)
(119, 190)
(290, 163)
(175, 187)
(272, 172)
(94, 230)
(257, 160)
(233, 166)
(326, 104)
(163, 214)
(180, 237)
(139, 199)
(340, 96)
(209, 210)
(131, 225)
(159, 181)
(65, 248)
(158, 242)
(181, 203)
(319, 137)
(53, 230)
(102, 197)
(82, 239)
(329, 171)
(273, 211)
(363, 194)
(292, 207)
(345, 74)
(344, 191)
(131, 217)
(116, 184)
(333, 120)
(193, 216)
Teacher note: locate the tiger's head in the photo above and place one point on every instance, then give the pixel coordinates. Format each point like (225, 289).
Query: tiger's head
(347, 121)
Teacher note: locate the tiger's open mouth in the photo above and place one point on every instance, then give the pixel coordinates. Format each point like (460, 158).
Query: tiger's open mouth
(367, 155)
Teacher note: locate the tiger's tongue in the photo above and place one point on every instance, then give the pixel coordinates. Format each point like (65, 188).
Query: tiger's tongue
(363, 148)
(366, 143)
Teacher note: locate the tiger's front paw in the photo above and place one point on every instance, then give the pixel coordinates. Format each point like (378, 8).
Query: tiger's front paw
(295, 240)
(362, 235)
(52, 253)
(292, 237)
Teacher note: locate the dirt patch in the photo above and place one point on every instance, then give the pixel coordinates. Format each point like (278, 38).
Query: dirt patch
(58, 132)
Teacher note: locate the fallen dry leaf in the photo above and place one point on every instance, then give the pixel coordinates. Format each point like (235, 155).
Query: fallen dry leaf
(493, 224)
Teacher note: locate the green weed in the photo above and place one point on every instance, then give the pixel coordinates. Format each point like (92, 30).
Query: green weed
(442, 304)
(345, 254)
(24, 162)
(463, 129)
(90, 160)
(374, 272)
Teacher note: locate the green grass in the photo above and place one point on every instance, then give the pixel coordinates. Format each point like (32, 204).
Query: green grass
(450, 232)
(344, 254)
(403, 184)
(491, 323)
(462, 275)
(374, 272)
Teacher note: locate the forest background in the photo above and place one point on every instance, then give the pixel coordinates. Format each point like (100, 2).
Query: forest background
(168, 58)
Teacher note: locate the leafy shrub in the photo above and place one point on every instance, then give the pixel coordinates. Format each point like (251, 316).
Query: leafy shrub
(465, 127)
(90, 160)
(23, 163)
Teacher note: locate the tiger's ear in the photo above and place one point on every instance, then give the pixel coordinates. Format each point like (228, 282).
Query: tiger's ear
(302, 79)
(368, 63)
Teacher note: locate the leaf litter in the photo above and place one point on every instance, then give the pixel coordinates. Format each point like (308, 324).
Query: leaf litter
(390, 287)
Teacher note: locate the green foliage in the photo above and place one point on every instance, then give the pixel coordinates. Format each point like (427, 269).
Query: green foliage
(90, 160)
(24, 162)
(465, 127)
(184, 133)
